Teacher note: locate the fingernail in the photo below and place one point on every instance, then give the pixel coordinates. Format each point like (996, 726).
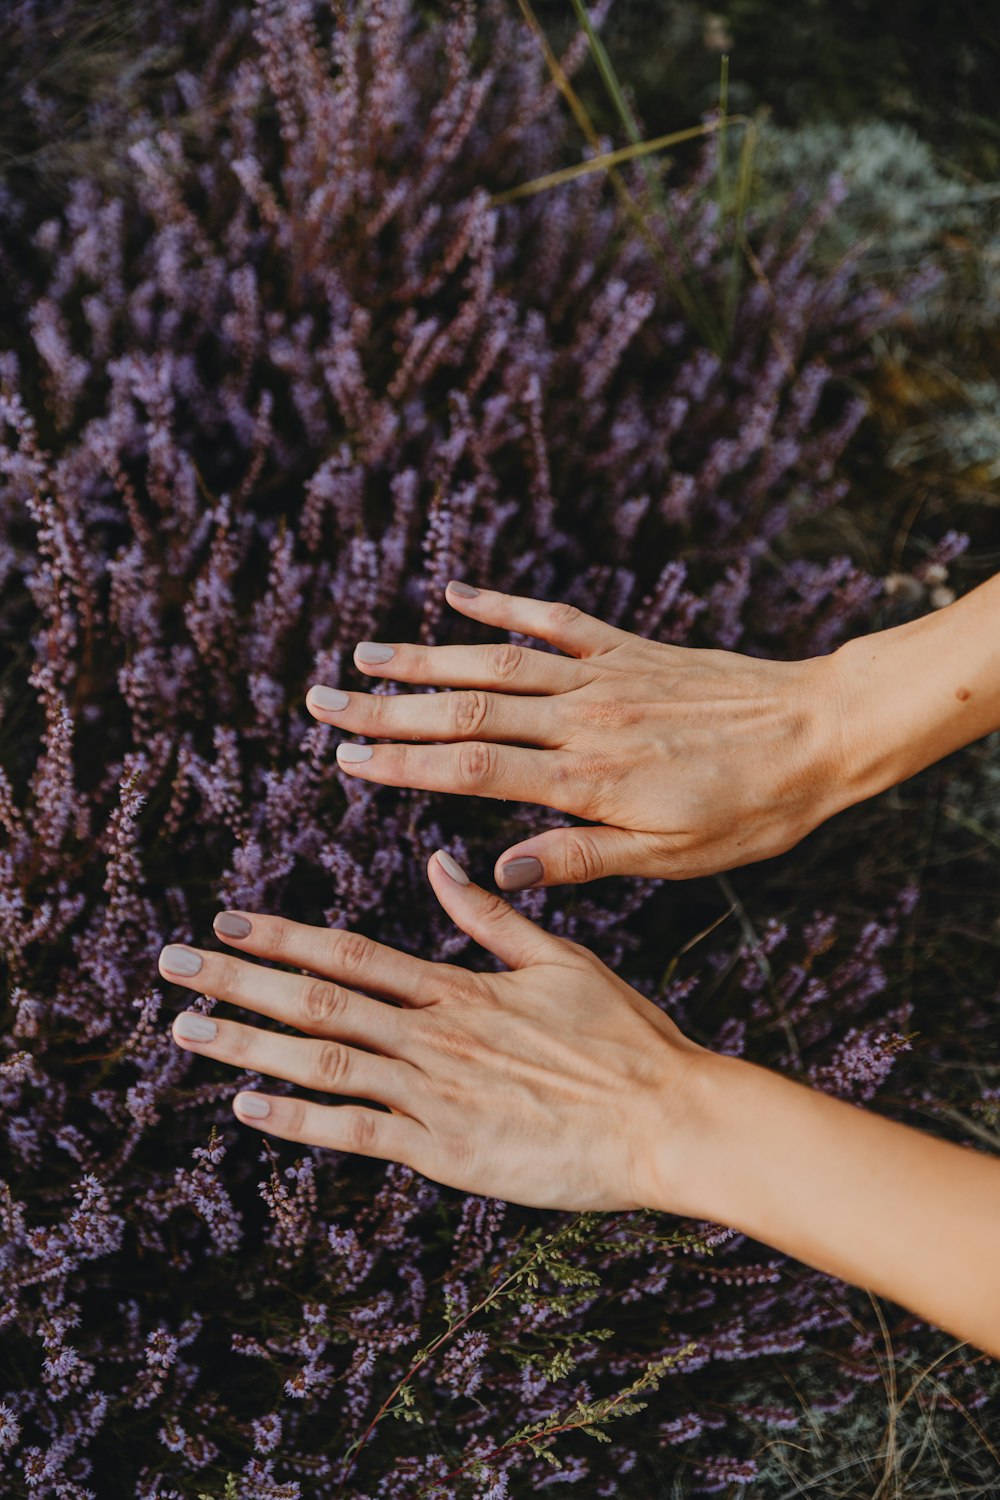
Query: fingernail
(231, 925)
(463, 590)
(180, 960)
(351, 754)
(253, 1106)
(334, 700)
(194, 1027)
(452, 867)
(518, 874)
(373, 653)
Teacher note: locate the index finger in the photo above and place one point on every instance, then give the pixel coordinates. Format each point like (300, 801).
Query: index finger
(332, 951)
(561, 624)
(506, 667)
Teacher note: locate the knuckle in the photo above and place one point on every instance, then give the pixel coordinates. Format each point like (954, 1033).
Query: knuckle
(493, 908)
(322, 1002)
(450, 1091)
(506, 661)
(360, 1131)
(564, 614)
(451, 983)
(294, 1112)
(593, 776)
(582, 862)
(455, 1043)
(470, 710)
(278, 937)
(612, 714)
(238, 1041)
(598, 767)
(563, 769)
(476, 765)
(379, 708)
(332, 1063)
(353, 952)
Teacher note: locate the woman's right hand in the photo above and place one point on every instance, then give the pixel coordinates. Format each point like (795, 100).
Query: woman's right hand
(555, 1084)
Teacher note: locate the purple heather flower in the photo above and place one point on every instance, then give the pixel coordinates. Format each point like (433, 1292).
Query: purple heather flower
(276, 369)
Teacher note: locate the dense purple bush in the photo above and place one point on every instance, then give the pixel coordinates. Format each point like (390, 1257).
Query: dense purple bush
(261, 394)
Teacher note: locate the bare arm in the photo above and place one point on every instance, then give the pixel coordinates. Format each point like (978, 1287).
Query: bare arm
(874, 1202)
(917, 692)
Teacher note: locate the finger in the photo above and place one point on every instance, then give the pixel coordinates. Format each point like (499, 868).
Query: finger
(505, 667)
(475, 769)
(347, 956)
(573, 856)
(339, 1127)
(316, 1006)
(562, 625)
(466, 714)
(326, 1065)
(487, 918)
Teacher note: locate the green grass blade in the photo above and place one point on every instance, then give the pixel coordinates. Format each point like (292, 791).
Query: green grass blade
(744, 182)
(722, 164)
(606, 160)
(703, 315)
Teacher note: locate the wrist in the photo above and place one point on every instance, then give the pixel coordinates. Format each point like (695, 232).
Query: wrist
(694, 1136)
(905, 697)
(867, 740)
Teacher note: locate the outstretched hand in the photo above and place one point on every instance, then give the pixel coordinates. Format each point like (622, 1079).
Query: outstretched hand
(553, 1084)
(686, 762)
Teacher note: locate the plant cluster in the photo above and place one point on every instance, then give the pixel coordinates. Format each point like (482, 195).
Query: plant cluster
(264, 388)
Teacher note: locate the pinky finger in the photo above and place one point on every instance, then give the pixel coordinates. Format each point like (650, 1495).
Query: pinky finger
(338, 1127)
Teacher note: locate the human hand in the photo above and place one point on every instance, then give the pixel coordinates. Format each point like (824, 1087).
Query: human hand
(553, 1084)
(687, 761)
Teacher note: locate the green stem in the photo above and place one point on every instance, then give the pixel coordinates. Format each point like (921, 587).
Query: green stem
(431, 1350)
(676, 285)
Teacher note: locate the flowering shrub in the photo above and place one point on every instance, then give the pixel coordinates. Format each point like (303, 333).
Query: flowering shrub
(261, 396)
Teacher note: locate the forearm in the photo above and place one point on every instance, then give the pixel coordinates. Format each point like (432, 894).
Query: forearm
(905, 697)
(876, 1203)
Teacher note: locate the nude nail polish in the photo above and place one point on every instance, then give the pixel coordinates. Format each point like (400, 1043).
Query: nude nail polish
(180, 960)
(352, 754)
(452, 868)
(518, 874)
(194, 1027)
(230, 924)
(462, 590)
(334, 700)
(253, 1106)
(373, 653)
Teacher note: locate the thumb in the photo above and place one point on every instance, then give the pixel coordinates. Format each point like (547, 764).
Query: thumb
(572, 856)
(488, 918)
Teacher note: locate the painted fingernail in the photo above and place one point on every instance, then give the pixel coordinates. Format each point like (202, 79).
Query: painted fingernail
(351, 754)
(180, 960)
(334, 700)
(518, 874)
(373, 653)
(462, 590)
(253, 1106)
(230, 924)
(194, 1027)
(452, 867)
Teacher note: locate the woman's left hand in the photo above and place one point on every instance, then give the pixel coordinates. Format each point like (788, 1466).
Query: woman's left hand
(552, 1084)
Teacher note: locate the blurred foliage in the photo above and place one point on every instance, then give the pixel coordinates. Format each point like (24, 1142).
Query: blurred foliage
(930, 66)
